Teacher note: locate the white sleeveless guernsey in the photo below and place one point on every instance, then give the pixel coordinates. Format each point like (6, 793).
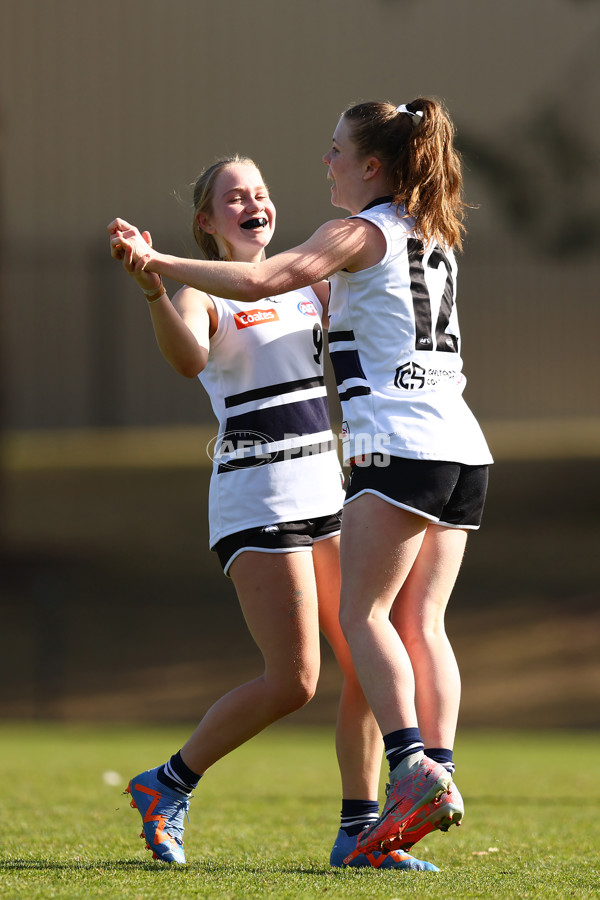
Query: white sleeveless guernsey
(275, 458)
(394, 343)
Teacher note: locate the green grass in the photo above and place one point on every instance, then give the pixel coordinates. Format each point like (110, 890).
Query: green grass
(263, 821)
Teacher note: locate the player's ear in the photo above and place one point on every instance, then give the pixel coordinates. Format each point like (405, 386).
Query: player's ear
(204, 223)
(372, 167)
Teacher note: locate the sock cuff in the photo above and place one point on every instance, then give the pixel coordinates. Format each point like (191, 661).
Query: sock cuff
(359, 807)
(402, 737)
(358, 814)
(176, 775)
(443, 756)
(178, 766)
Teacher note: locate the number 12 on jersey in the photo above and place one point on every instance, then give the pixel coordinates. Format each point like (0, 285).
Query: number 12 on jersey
(425, 339)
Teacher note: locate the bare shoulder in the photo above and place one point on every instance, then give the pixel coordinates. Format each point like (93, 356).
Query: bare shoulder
(188, 299)
(344, 244)
(197, 309)
(351, 228)
(356, 234)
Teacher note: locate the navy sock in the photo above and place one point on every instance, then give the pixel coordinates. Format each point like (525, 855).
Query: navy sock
(401, 743)
(443, 756)
(176, 775)
(357, 814)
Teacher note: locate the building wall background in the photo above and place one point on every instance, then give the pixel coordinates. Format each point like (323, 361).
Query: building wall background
(111, 111)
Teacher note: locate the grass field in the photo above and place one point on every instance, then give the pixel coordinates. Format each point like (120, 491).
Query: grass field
(263, 821)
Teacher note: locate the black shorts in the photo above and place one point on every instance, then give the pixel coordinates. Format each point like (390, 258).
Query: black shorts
(282, 537)
(447, 493)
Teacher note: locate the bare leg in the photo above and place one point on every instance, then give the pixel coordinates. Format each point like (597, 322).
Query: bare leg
(277, 594)
(358, 739)
(379, 545)
(418, 616)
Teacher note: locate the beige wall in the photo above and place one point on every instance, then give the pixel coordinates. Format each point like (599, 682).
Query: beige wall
(110, 110)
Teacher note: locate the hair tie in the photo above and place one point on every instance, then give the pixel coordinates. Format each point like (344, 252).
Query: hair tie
(415, 114)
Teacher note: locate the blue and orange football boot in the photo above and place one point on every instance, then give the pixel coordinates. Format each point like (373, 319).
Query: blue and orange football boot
(395, 859)
(162, 811)
(406, 795)
(446, 810)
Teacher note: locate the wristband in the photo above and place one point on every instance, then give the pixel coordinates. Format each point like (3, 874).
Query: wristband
(156, 294)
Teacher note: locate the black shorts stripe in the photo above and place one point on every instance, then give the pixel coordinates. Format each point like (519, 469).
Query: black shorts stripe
(266, 459)
(273, 390)
(278, 422)
(359, 390)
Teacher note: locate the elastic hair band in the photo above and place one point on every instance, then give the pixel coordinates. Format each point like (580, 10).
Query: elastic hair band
(415, 114)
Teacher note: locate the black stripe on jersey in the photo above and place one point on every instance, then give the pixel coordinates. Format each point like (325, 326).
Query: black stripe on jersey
(334, 336)
(277, 422)
(420, 295)
(346, 364)
(360, 390)
(266, 459)
(272, 390)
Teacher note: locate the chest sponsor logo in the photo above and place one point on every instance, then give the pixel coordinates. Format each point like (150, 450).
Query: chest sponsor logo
(255, 317)
(307, 308)
(413, 377)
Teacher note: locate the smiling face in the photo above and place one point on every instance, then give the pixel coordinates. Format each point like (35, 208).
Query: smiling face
(242, 216)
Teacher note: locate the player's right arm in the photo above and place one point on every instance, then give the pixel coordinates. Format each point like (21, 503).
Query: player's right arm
(183, 329)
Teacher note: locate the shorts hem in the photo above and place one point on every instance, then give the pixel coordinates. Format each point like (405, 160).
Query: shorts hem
(397, 503)
(325, 537)
(234, 556)
(454, 525)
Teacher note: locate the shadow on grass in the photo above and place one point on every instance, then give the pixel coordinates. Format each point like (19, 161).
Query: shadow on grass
(52, 865)
(212, 867)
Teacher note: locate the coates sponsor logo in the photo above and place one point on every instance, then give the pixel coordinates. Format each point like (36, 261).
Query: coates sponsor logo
(307, 308)
(255, 317)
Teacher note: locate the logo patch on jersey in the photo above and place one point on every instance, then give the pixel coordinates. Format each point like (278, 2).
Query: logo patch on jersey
(410, 377)
(307, 308)
(255, 317)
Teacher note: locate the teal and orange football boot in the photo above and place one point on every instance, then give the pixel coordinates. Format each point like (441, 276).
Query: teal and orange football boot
(162, 811)
(395, 859)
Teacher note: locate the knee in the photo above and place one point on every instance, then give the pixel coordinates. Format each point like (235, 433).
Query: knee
(302, 693)
(291, 695)
(416, 635)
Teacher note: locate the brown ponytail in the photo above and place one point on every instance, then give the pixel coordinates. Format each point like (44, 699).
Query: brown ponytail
(419, 155)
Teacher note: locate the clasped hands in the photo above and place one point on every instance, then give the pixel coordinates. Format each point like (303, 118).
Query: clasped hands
(134, 249)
